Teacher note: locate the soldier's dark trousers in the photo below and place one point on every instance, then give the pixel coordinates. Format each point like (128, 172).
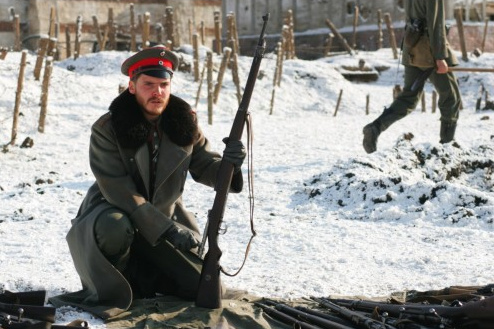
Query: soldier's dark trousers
(449, 99)
(149, 269)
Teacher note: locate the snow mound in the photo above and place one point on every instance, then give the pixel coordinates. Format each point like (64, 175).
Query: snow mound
(443, 183)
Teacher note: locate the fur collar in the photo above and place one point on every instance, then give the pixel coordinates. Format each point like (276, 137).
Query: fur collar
(178, 121)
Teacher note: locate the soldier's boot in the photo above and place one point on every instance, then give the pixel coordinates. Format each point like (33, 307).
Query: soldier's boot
(447, 133)
(371, 133)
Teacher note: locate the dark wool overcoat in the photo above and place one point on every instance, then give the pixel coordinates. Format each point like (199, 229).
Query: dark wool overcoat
(120, 159)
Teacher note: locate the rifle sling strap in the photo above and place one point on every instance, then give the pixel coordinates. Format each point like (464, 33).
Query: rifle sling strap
(250, 178)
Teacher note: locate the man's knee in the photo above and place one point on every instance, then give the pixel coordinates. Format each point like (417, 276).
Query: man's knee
(114, 232)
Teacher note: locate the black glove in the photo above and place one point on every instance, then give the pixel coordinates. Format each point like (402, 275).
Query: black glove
(234, 153)
(181, 239)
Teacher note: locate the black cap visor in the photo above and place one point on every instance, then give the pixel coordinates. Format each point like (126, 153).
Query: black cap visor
(154, 71)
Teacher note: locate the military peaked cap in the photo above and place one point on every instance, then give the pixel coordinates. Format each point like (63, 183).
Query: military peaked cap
(157, 61)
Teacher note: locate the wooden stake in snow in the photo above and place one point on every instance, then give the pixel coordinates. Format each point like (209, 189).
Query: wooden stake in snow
(367, 104)
(277, 75)
(461, 34)
(78, 35)
(145, 30)
(485, 34)
(133, 46)
(391, 32)
(18, 97)
(434, 101)
(43, 45)
(217, 32)
(209, 57)
(195, 56)
(339, 36)
(226, 57)
(67, 42)
(200, 81)
(44, 94)
(355, 23)
(170, 27)
(338, 103)
(17, 33)
(379, 29)
(97, 31)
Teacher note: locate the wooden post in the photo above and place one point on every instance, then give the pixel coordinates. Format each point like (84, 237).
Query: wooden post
(51, 28)
(78, 34)
(191, 30)
(338, 103)
(367, 104)
(145, 30)
(355, 23)
(379, 29)
(133, 42)
(236, 79)
(422, 101)
(290, 45)
(112, 33)
(18, 97)
(200, 81)
(44, 94)
(209, 57)
(3, 53)
(459, 24)
(159, 33)
(277, 77)
(485, 34)
(339, 36)
(195, 49)
(329, 44)
(434, 101)
(392, 38)
(217, 32)
(17, 33)
(97, 31)
(202, 31)
(226, 58)
(67, 42)
(43, 45)
(169, 26)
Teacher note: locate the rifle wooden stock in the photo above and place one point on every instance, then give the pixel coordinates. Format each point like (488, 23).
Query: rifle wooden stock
(209, 291)
(42, 313)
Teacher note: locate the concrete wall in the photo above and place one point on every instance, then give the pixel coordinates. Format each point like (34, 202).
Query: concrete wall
(35, 15)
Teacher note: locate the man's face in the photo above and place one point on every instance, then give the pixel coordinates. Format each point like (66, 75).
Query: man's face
(152, 94)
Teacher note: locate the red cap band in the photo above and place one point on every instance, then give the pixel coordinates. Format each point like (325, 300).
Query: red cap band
(150, 62)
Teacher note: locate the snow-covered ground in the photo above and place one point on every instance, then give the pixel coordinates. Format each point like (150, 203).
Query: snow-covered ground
(330, 219)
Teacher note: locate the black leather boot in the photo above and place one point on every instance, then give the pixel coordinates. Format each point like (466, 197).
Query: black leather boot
(447, 133)
(371, 133)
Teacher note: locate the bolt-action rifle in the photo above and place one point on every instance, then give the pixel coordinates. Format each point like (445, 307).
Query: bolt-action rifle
(209, 291)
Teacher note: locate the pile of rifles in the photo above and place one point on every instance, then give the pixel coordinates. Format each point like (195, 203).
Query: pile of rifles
(462, 308)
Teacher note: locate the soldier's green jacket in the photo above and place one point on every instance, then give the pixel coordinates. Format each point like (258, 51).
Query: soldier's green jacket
(434, 44)
(119, 159)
